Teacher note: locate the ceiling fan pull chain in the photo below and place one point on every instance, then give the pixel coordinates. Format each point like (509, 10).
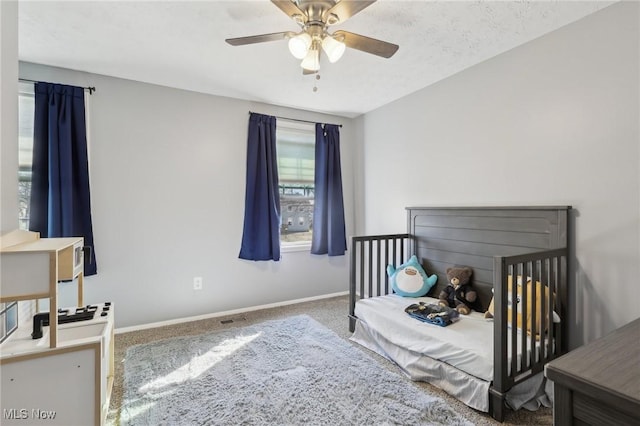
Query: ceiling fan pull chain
(315, 86)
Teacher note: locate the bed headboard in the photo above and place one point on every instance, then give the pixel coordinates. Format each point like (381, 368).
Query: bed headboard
(472, 236)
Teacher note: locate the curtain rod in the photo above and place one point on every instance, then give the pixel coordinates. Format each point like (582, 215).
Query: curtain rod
(302, 121)
(26, 80)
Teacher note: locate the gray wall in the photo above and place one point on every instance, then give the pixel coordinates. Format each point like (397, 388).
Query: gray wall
(167, 184)
(552, 122)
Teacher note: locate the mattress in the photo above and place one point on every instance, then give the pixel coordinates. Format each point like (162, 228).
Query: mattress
(466, 344)
(457, 358)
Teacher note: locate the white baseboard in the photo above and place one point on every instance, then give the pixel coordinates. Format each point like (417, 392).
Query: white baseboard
(225, 313)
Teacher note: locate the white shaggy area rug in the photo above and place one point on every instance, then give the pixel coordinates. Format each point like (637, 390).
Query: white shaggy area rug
(293, 371)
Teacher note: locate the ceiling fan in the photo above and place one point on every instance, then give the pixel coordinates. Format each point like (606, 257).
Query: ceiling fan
(315, 17)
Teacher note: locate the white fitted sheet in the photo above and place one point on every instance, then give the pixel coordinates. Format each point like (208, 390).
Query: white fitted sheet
(457, 358)
(470, 390)
(466, 344)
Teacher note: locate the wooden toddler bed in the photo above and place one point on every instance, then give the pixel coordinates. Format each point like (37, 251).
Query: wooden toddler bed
(502, 245)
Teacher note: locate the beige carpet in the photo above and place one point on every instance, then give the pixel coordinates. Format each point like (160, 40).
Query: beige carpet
(330, 312)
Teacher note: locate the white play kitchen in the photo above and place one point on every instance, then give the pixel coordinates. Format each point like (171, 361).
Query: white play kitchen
(54, 369)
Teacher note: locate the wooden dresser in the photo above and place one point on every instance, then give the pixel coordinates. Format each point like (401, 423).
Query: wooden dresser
(599, 383)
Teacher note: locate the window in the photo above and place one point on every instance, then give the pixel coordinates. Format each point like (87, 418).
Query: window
(26, 111)
(296, 169)
(8, 319)
(26, 105)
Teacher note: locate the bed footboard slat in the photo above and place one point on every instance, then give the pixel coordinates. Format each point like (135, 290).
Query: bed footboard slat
(513, 338)
(532, 271)
(386, 262)
(370, 267)
(544, 351)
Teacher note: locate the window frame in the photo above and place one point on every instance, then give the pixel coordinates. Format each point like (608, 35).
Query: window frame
(291, 127)
(5, 330)
(24, 169)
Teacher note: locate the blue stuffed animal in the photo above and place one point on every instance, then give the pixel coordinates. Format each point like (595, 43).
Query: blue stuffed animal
(409, 279)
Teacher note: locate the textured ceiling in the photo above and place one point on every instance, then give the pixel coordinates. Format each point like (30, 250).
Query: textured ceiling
(181, 44)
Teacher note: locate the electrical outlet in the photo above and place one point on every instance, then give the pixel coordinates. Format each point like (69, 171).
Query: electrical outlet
(197, 283)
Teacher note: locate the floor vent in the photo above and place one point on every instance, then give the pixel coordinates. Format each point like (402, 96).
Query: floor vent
(232, 320)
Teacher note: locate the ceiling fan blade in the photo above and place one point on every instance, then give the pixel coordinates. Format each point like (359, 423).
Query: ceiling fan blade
(366, 44)
(291, 9)
(345, 9)
(239, 41)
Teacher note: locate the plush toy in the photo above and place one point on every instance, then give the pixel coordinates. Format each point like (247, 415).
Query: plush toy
(542, 299)
(409, 279)
(458, 293)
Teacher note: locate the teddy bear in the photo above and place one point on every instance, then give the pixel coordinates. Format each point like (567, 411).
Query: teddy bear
(458, 293)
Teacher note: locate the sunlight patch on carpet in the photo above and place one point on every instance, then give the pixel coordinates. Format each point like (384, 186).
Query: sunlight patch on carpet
(199, 364)
(138, 410)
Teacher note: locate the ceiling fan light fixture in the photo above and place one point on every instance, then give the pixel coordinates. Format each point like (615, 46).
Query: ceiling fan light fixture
(315, 16)
(298, 18)
(332, 19)
(311, 62)
(333, 48)
(299, 45)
